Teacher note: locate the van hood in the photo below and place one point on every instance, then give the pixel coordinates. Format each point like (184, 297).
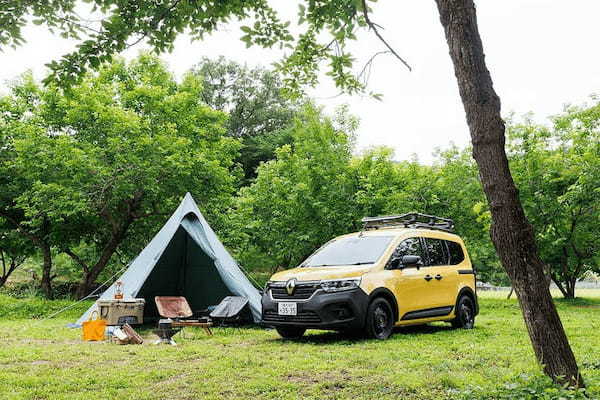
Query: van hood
(321, 273)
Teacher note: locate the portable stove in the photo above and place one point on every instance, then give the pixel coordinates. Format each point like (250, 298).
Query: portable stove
(165, 332)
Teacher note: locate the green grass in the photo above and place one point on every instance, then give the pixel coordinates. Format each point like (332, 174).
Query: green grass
(46, 360)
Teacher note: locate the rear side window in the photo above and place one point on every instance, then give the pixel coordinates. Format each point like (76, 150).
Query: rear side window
(456, 253)
(436, 250)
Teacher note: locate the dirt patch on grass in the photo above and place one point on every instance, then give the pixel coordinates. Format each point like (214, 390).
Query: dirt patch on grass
(40, 362)
(335, 380)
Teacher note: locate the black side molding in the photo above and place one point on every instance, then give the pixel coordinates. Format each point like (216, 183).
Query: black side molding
(466, 272)
(428, 313)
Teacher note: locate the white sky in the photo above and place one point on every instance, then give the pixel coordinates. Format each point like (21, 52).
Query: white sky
(542, 55)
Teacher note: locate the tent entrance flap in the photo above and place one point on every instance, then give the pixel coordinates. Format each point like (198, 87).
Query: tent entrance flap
(184, 269)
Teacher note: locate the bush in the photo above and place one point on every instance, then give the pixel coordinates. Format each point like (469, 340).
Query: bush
(524, 387)
(37, 307)
(62, 290)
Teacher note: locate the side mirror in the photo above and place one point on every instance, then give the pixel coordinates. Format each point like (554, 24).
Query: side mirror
(395, 263)
(412, 261)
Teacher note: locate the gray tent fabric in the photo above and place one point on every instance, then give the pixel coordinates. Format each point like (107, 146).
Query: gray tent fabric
(185, 258)
(230, 307)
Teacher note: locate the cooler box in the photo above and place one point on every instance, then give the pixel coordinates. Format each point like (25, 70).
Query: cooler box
(122, 311)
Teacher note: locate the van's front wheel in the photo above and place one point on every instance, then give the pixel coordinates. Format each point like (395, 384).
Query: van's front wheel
(380, 319)
(290, 332)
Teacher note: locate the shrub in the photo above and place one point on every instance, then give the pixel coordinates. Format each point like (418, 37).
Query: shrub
(37, 307)
(524, 387)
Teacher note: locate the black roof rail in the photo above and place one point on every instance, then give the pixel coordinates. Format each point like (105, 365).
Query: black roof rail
(409, 220)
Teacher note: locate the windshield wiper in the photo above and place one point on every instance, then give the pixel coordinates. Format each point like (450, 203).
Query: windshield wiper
(340, 265)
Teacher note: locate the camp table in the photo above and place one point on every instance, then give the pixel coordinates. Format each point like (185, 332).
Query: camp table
(205, 325)
(178, 309)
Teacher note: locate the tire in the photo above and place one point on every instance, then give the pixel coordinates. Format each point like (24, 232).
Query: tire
(380, 319)
(290, 332)
(465, 314)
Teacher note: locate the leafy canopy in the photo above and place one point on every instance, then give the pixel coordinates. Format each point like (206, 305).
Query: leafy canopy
(557, 170)
(324, 29)
(102, 166)
(258, 112)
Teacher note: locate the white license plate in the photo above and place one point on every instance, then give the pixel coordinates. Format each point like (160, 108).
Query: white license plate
(287, 309)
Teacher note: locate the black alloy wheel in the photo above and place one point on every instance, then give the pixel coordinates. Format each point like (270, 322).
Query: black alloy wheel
(380, 319)
(290, 332)
(465, 314)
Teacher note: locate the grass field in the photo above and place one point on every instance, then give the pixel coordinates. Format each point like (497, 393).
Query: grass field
(46, 360)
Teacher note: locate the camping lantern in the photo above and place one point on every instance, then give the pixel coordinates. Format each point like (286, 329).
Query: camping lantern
(119, 291)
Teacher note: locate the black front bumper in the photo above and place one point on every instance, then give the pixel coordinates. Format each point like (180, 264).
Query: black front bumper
(335, 311)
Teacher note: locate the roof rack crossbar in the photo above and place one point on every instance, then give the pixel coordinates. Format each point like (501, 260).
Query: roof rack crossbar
(409, 220)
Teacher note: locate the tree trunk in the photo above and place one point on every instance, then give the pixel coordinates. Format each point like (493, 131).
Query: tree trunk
(7, 270)
(571, 288)
(91, 274)
(511, 232)
(512, 289)
(560, 286)
(46, 282)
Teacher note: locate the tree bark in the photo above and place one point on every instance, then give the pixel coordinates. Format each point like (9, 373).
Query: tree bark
(511, 232)
(91, 273)
(560, 286)
(7, 270)
(571, 288)
(46, 282)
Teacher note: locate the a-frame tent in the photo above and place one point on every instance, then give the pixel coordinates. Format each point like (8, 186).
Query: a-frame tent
(185, 258)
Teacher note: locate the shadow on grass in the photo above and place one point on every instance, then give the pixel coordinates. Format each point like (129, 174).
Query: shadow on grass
(583, 302)
(334, 337)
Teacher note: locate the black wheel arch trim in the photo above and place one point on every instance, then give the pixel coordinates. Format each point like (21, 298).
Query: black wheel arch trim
(469, 292)
(388, 295)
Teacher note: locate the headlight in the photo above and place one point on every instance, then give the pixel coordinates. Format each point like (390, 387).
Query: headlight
(339, 285)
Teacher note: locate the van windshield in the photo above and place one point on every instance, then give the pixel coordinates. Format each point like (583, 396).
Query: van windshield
(349, 251)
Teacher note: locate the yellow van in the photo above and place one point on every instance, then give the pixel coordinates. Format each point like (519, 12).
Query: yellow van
(399, 270)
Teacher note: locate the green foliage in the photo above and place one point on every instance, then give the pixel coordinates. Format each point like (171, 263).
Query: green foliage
(316, 189)
(14, 250)
(301, 199)
(102, 165)
(557, 170)
(523, 387)
(258, 113)
(37, 307)
(323, 32)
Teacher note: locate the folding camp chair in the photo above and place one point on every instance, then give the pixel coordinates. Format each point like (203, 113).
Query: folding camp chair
(178, 309)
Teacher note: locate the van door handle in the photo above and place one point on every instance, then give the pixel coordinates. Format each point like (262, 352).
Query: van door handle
(428, 277)
(438, 277)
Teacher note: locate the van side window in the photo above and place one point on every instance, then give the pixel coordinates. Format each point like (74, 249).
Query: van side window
(456, 253)
(409, 247)
(436, 251)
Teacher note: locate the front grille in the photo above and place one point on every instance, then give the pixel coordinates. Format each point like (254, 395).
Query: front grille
(301, 292)
(303, 316)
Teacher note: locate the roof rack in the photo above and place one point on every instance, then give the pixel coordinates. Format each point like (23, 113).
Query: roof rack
(409, 220)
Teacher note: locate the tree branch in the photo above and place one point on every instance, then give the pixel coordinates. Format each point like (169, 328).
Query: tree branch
(373, 26)
(76, 258)
(154, 24)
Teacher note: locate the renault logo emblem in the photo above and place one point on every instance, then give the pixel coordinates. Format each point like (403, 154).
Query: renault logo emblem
(290, 286)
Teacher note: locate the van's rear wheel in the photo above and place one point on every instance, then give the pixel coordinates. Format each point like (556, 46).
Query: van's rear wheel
(465, 314)
(380, 319)
(290, 332)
